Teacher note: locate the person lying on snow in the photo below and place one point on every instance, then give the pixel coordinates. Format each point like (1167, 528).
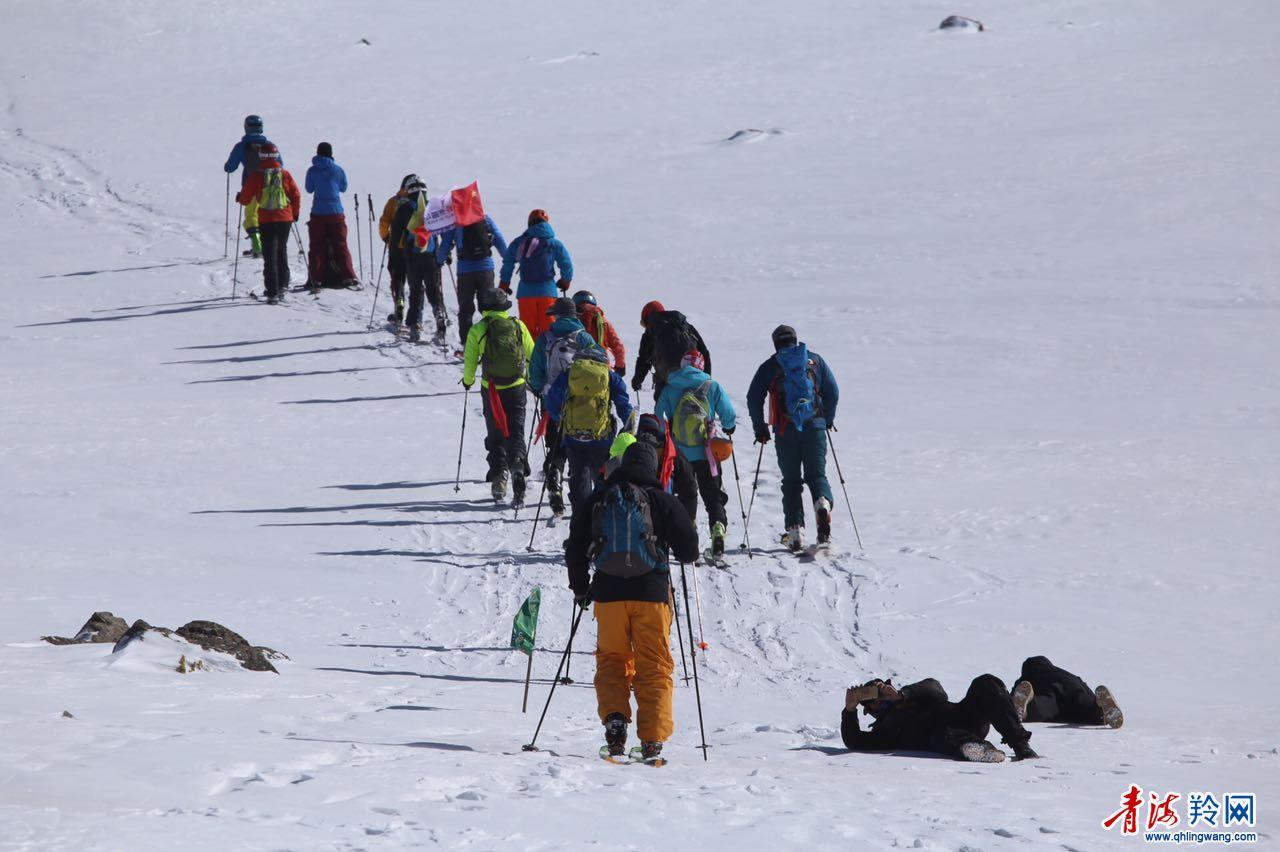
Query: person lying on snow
(1046, 693)
(920, 717)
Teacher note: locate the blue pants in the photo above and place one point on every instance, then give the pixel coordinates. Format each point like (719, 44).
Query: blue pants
(585, 461)
(802, 458)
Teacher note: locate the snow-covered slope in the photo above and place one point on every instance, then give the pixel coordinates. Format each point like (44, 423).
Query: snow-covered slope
(1040, 258)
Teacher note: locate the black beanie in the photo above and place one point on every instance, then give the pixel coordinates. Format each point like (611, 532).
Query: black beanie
(784, 336)
(324, 149)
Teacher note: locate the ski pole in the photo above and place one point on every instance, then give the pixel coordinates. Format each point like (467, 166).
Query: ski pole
(533, 427)
(382, 263)
(675, 609)
(697, 598)
(746, 533)
(457, 480)
(840, 474)
(359, 238)
(697, 690)
(369, 236)
(235, 266)
(530, 746)
(226, 227)
(569, 660)
(297, 235)
(755, 483)
(537, 513)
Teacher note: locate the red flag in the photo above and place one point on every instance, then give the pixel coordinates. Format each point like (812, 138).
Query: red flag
(542, 427)
(467, 207)
(499, 413)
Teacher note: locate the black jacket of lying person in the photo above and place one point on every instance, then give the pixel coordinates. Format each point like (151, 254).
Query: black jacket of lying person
(1046, 693)
(919, 717)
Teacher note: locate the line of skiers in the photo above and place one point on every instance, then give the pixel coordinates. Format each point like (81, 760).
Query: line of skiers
(634, 480)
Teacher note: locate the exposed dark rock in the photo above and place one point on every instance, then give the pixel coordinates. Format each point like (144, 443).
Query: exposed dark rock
(215, 637)
(751, 134)
(135, 631)
(960, 22)
(101, 627)
(209, 635)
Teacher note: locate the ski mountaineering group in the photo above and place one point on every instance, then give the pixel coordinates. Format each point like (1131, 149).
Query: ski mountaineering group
(633, 480)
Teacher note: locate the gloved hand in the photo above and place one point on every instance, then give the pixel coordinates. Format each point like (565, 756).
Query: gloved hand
(762, 435)
(238, 199)
(564, 285)
(505, 286)
(466, 384)
(637, 383)
(448, 260)
(831, 426)
(582, 599)
(621, 370)
(731, 431)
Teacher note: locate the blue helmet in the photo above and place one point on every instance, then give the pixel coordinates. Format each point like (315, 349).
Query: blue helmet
(584, 296)
(253, 124)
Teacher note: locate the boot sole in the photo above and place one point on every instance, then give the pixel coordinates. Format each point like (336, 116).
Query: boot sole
(1021, 697)
(982, 753)
(1111, 715)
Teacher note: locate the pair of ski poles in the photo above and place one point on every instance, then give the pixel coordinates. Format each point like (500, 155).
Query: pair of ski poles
(573, 629)
(755, 484)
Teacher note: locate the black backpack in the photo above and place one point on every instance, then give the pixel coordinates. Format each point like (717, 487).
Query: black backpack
(477, 241)
(673, 338)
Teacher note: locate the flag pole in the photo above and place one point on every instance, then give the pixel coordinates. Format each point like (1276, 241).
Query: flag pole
(528, 673)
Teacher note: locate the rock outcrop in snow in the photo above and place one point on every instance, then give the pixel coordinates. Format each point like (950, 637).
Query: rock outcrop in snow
(960, 22)
(209, 635)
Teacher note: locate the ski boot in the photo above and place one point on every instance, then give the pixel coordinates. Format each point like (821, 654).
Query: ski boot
(793, 538)
(981, 752)
(397, 316)
(498, 486)
(717, 540)
(615, 734)
(1021, 697)
(353, 284)
(1111, 715)
(822, 509)
(1022, 749)
(415, 333)
(517, 491)
(650, 752)
(273, 299)
(556, 501)
(442, 325)
(255, 243)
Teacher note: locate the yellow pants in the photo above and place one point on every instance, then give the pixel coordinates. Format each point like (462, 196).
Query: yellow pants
(633, 647)
(251, 214)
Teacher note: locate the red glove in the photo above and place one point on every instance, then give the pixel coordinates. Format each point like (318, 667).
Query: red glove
(239, 200)
(564, 285)
(505, 286)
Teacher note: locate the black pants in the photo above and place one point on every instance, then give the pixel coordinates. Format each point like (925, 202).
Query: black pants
(553, 465)
(275, 256)
(395, 268)
(692, 478)
(1060, 696)
(422, 274)
(585, 461)
(506, 453)
(469, 286)
(985, 706)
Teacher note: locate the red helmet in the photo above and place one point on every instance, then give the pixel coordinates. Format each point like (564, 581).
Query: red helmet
(649, 310)
(268, 156)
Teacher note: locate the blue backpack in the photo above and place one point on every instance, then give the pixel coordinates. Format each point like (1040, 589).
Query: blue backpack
(623, 541)
(799, 392)
(537, 262)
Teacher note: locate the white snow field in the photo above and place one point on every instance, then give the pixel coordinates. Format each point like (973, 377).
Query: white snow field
(1041, 260)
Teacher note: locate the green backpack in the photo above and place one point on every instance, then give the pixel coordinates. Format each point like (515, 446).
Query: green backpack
(273, 196)
(503, 359)
(586, 408)
(691, 416)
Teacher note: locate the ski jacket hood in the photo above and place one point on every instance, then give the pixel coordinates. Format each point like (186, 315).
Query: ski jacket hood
(326, 181)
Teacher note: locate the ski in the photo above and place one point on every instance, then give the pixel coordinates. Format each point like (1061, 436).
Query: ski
(635, 756)
(709, 558)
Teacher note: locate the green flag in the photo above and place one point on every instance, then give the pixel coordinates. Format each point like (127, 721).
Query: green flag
(525, 627)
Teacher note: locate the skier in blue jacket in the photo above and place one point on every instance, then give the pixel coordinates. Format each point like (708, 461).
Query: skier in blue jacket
(475, 244)
(327, 227)
(800, 426)
(244, 156)
(553, 352)
(539, 254)
(689, 402)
